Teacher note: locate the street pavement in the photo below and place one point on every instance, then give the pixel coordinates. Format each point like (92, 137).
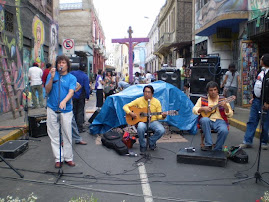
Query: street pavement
(110, 177)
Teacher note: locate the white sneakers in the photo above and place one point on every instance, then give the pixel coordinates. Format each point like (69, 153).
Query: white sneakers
(243, 146)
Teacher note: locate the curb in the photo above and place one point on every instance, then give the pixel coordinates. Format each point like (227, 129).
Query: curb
(13, 135)
(242, 126)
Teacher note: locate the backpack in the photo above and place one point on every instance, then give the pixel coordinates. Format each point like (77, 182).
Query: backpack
(238, 155)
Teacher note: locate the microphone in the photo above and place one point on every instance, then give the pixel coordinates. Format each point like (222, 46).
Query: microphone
(61, 68)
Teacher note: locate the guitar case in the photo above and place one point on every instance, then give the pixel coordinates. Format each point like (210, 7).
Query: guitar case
(113, 140)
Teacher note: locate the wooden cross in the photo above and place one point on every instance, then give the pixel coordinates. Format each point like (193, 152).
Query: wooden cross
(131, 43)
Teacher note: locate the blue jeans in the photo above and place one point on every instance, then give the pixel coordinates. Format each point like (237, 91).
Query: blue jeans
(75, 133)
(232, 91)
(253, 122)
(156, 126)
(219, 126)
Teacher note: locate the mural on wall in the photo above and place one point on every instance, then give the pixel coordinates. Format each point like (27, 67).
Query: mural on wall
(258, 8)
(2, 18)
(12, 49)
(39, 37)
(53, 43)
(215, 8)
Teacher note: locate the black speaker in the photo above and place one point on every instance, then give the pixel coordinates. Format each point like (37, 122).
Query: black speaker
(195, 97)
(94, 115)
(209, 61)
(200, 76)
(37, 125)
(171, 76)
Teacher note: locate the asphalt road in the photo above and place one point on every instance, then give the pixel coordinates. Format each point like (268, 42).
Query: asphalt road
(113, 178)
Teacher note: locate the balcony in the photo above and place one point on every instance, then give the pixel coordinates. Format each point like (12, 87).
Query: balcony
(165, 42)
(256, 28)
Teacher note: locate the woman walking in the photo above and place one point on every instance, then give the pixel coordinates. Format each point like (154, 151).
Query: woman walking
(231, 83)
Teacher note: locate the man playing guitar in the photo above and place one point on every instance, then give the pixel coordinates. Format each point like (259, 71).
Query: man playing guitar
(155, 125)
(216, 119)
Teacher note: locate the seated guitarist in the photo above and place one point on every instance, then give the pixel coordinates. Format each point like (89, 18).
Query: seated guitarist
(213, 119)
(155, 125)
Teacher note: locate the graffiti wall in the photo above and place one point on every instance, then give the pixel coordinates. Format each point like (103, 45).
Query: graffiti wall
(23, 46)
(258, 8)
(39, 37)
(12, 49)
(53, 43)
(215, 8)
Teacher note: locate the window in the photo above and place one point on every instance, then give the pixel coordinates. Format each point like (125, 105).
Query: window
(9, 24)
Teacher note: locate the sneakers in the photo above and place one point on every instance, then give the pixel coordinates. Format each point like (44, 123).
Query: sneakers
(264, 147)
(243, 146)
(206, 148)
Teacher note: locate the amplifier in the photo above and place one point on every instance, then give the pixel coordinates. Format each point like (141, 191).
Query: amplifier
(209, 61)
(208, 158)
(37, 125)
(12, 149)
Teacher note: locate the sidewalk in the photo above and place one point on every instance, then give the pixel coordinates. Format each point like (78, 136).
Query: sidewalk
(238, 121)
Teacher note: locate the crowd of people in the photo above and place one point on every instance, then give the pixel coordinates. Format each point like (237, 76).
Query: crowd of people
(67, 91)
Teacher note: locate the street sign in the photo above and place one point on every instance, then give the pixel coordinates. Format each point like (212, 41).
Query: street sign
(68, 46)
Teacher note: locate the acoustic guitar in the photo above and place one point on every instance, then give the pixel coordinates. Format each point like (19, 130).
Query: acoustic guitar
(141, 114)
(208, 114)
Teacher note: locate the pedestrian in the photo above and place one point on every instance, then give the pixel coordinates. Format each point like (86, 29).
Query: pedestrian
(182, 77)
(126, 79)
(231, 83)
(109, 85)
(35, 78)
(148, 77)
(60, 87)
(99, 86)
(46, 73)
(75, 133)
(80, 96)
(259, 103)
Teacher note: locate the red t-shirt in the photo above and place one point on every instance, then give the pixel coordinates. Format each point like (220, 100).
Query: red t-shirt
(45, 75)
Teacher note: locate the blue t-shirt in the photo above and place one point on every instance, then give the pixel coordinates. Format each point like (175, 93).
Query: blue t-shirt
(68, 82)
(83, 80)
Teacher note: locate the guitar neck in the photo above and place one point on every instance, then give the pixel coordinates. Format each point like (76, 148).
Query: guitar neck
(229, 99)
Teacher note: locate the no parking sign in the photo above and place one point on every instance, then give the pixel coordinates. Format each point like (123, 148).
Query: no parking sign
(68, 46)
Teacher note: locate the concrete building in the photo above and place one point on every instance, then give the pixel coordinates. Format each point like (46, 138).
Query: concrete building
(175, 28)
(152, 61)
(79, 22)
(236, 31)
(29, 34)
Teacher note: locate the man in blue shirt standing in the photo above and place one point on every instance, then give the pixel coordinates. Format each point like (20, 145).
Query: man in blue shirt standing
(60, 87)
(80, 96)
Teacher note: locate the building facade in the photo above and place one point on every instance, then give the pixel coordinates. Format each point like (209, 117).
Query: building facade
(152, 61)
(236, 31)
(29, 34)
(175, 28)
(75, 23)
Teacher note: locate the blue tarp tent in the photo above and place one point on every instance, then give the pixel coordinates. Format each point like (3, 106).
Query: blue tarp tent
(112, 115)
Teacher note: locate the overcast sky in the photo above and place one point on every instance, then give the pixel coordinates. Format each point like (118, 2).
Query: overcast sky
(117, 15)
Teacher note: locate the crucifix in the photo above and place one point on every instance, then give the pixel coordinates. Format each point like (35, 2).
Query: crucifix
(130, 43)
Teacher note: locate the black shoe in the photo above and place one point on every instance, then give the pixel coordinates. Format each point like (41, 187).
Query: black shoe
(82, 130)
(152, 147)
(206, 148)
(143, 150)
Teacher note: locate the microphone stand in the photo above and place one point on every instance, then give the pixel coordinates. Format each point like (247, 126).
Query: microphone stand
(257, 174)
(146, 155)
